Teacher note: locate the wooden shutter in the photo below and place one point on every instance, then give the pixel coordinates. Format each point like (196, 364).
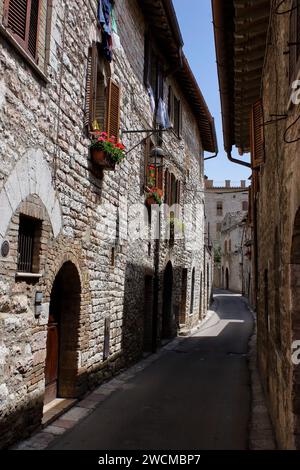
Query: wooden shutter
(33, 27)
(113, 109)
(147, 143)
(91, 87)
(257, 135)
(171, 105)
(250, 219)
(21, 17)
(179, 119)
(159, 178)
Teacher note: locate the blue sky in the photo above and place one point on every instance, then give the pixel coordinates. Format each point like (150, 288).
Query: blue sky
(195, 20)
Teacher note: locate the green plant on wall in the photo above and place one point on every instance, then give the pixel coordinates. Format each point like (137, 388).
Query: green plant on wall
(217, 255)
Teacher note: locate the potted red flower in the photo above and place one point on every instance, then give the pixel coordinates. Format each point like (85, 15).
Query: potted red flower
(154, 196)
(105, 151)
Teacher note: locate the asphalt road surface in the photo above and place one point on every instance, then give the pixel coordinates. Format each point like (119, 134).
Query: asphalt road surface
(196, 396)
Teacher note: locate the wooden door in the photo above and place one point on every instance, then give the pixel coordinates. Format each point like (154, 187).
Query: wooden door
(51, 367)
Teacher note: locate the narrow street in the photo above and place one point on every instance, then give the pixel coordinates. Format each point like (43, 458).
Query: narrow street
(195, 396)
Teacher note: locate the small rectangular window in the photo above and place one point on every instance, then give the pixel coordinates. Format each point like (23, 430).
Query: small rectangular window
(29, 244)
(219, 228)
(219, 208)
(245, 205)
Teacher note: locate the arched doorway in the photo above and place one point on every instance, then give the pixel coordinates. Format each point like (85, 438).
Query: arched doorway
(208, 286)
(227, 279)
(200, 298)
(167, 316)
(62, 337)
(149, 333)
(192, 292)
(295, 317)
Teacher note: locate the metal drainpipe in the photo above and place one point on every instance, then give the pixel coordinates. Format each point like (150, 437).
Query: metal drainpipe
(235, 160)
(214, 156)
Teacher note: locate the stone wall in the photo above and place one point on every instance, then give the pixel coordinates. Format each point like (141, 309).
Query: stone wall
(232, 200)
(233, 231)
(278, 202)
(46, 172)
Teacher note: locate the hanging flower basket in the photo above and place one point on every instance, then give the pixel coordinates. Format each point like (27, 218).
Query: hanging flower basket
(105, 151)
(102, 159)
(154, 196)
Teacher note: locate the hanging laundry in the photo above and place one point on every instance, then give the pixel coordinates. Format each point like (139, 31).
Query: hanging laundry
(105, 11)
(162, 117)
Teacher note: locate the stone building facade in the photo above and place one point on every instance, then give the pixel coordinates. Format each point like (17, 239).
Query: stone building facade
(84, 290)
(271, 96)
(220, 200)
(232, 257)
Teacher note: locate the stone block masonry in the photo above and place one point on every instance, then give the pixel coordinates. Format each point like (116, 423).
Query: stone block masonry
(92, 281)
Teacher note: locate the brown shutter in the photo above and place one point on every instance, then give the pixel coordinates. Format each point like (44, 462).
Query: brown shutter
(250, 205)
(180, 119)
(91, 87)
(33, 27)
(22, 18)
(171, 105)
(159, 178)
(257, 135)
(113, 109)
(147, 142)
(93, 82)
(15, 16)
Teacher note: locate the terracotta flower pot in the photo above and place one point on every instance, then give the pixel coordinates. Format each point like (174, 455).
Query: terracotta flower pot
(102, 159)
(150, 200)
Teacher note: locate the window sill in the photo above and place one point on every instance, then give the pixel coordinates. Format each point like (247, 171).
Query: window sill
(4, 32)
(28, 275)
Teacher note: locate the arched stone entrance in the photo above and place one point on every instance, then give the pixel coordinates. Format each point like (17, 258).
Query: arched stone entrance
(167, 314)
(295, 318)
(62, 337)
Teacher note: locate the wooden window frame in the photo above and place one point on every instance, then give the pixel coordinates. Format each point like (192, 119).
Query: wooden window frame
(111, 98)
(172, 99)
(257, 135)
(24, 43)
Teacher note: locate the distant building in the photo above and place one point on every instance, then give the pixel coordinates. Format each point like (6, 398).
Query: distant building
(232, 238)
(220, 200)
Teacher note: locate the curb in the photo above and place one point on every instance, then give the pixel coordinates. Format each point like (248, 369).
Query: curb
(261, 433)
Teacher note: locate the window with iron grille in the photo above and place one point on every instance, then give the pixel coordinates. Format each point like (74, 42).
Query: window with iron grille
(29, 244)
(21, 18)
